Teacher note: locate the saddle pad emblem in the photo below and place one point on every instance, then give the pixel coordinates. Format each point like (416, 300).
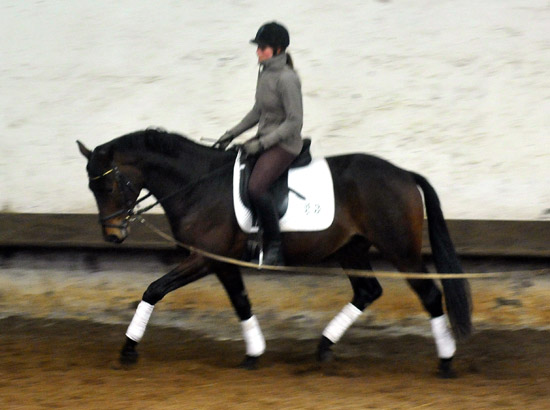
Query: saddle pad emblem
(310, 201)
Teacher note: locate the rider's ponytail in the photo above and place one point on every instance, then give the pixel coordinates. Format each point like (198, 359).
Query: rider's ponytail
(289, 61)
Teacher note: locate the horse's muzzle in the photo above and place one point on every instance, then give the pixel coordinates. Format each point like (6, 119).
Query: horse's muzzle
(115, 234)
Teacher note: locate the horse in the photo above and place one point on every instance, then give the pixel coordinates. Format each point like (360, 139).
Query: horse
(377, 204)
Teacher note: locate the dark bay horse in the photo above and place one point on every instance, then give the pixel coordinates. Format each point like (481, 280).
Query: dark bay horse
(377, 204)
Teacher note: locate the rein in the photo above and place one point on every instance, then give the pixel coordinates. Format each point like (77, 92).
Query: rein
(178, 191)
(126, 185)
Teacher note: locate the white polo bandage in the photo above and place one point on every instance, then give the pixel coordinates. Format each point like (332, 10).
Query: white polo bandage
(139, 322)
(341, 322)
(253, 337)
(444, 340)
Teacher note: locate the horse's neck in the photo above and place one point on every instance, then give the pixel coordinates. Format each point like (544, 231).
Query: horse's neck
(187, 179)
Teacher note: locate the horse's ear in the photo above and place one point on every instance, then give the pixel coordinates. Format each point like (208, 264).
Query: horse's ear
(85, 151)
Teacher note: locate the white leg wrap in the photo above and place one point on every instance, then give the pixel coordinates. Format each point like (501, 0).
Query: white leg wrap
(139, 322)
(341, 322)
(444, 340)
(253, 336)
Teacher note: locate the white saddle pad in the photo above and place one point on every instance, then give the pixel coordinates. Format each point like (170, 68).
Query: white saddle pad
(314, 213)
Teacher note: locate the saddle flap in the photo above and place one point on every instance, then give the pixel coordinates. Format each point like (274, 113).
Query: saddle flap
(310, 198)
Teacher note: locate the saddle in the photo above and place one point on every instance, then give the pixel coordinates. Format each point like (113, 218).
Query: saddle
(279, 191)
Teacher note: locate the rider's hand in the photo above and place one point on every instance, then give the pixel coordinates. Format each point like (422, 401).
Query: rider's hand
(252, 147)
(224, 141)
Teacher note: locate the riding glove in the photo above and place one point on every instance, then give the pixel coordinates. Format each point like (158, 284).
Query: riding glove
(224, 141)
(252, 147)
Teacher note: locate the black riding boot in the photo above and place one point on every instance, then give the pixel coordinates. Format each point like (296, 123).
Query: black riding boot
(269, 221)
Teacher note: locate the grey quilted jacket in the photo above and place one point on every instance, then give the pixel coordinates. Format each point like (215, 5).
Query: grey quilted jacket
(278, 107)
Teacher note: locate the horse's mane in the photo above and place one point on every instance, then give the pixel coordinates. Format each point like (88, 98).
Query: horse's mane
(158, 141)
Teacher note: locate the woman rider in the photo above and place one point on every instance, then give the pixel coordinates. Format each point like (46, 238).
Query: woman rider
(278, 112)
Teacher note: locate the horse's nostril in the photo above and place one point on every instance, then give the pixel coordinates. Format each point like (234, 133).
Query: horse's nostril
(113, 239)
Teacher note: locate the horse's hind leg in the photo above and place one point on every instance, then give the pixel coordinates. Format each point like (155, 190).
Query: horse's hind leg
(402, 246)
(431, 299)
(231, 279)
(365, 291)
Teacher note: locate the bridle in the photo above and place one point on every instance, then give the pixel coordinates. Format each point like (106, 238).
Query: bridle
(128, 192)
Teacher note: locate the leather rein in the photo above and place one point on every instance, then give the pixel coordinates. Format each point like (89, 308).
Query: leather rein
(127, 188)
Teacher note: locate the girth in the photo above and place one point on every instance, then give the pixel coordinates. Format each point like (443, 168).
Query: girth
(279, 190)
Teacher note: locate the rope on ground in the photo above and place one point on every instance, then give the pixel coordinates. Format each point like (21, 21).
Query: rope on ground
(323, 271)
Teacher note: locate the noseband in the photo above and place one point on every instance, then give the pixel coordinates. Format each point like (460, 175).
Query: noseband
(125, 185)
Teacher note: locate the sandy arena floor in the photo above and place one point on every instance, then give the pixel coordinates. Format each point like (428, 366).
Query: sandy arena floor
(52, 355)
(63, 317)
(69, 364)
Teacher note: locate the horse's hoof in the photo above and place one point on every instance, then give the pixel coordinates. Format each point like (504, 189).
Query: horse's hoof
(128, 358)
(445, 370)
(446, 374)
(249, 363)
(324, 352)
(324, 355)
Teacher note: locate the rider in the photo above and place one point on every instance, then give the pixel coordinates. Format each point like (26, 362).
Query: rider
(278, 112)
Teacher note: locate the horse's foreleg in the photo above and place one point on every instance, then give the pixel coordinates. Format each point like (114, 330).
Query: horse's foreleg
(231, 279)
(193, 268)
(431, 299)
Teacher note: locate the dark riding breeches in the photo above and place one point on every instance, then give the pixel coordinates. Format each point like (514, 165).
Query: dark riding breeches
(270, 165)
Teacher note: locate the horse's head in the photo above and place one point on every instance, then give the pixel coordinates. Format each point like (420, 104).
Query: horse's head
(116, 184)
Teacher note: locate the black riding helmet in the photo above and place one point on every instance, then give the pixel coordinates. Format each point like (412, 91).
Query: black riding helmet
(273, 35)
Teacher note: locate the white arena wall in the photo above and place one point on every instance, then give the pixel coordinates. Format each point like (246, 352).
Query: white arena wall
(456, 90)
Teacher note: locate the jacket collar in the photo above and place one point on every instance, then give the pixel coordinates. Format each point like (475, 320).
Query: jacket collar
(274, 63)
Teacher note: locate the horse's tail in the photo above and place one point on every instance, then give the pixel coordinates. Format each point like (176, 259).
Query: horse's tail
(457, 291)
